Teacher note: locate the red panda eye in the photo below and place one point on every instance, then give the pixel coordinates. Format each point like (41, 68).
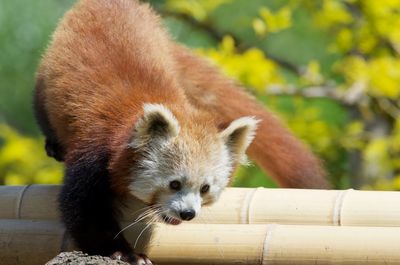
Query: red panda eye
(175, 185)
(205, 188)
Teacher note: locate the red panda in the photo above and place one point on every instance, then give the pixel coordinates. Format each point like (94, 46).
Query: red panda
(131, 112)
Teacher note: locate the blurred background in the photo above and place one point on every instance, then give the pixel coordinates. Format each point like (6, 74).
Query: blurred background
(330, 69)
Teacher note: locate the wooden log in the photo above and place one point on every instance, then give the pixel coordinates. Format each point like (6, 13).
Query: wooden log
(238, 205)
(26, 242)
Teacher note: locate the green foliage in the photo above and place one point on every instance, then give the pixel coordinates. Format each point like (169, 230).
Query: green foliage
(272, 22)
(367, 38)
(250, 67)
(197, 9)
(23, 160)
(330, 69)
(25, 28)
(251, 176)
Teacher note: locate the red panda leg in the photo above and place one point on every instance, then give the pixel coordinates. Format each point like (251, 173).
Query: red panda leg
(52, 146)
(88, 207)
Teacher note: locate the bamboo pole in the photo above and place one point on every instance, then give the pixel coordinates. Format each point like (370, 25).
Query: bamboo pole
(238, 205)
(30, 242)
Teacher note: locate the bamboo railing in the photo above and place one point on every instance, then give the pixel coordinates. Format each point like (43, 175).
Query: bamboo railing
(27, 242)
(246, 226)
(238, 206)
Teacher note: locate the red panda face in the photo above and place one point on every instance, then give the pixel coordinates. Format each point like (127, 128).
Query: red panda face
(176, 172)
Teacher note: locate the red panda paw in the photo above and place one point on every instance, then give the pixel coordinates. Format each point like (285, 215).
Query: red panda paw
(137, 259)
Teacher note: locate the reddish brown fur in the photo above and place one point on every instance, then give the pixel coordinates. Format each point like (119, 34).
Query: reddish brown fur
(91, 68)
(100, 76)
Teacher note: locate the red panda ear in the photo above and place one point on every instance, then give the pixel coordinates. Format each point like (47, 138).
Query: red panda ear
(157, 124)
(238, 136)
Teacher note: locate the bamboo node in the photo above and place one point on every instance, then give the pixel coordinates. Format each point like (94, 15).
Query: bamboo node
(19, 201)
(337, 209)
(267, 242)
(245, 213)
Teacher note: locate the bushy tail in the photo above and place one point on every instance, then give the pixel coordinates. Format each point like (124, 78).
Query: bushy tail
(275, 149)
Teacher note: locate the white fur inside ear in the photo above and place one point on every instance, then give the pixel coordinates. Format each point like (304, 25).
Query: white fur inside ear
(151, 109)
(157, 124)
(239, 135)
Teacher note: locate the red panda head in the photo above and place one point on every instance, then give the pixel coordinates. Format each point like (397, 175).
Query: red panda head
(182, 166)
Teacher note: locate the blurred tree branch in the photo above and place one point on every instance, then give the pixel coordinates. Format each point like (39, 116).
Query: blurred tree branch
(350, 97)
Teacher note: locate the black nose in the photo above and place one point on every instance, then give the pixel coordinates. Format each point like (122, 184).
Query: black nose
(187, 215)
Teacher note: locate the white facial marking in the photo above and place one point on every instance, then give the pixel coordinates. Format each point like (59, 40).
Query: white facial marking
(184, 201)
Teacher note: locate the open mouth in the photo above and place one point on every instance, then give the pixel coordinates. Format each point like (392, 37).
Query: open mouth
(171, 220)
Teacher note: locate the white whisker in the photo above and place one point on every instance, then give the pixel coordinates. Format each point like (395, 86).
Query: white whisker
(137, 239)
(151, 211)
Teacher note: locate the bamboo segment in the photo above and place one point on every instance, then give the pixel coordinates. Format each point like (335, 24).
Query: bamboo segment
(10, 199)
(374, 207)
(292, 206)
(26, 242)
(208, 244)
(29, 202)
(301, 245)
(238, 205)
